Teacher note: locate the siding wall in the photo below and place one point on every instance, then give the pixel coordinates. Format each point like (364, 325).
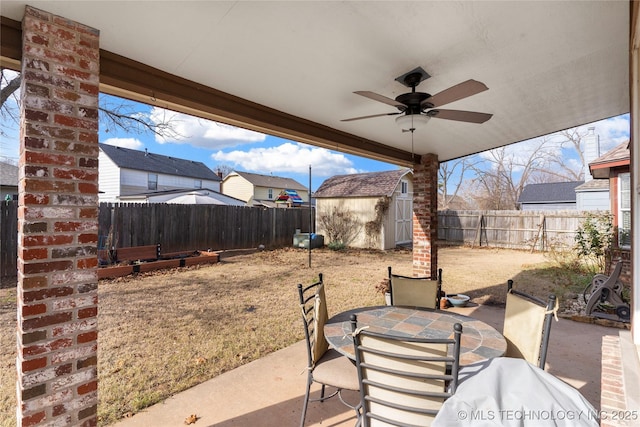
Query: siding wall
(108, 179)
(238, 187)
(363, 208)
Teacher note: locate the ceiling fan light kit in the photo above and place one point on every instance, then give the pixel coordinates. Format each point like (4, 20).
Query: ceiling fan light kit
(411, 122)
(416, 108)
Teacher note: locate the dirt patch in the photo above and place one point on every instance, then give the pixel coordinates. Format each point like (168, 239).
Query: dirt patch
(163, 332)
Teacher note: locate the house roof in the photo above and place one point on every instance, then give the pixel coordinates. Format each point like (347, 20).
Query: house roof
(361, 185)
(150, 162)
(550, 192)
(270, 181)
(594, 185)
(620, 155)
(8, 174)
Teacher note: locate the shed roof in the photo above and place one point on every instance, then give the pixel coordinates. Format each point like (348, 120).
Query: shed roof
(8, 174)
(151, 162)
(362, 184)
(270, 181)
(550, 192)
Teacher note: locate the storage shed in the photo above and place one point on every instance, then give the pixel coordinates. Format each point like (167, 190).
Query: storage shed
(380, 203)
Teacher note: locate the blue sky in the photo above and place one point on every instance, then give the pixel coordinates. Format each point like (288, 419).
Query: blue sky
(218, 144)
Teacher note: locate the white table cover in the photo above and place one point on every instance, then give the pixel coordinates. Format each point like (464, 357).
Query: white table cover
(512, 392)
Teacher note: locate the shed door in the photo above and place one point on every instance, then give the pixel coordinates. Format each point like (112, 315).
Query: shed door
(404, 225)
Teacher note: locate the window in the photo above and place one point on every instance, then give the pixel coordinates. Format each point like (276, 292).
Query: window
(152, 183)
(404, 187)
(270, 194)
(624, 210)
(197, 183)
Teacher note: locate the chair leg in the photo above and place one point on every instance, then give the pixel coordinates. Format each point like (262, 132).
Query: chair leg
(306, 401)
(322, 393)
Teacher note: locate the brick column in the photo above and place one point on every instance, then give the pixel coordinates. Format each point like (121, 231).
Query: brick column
(425, 216)
(58, 223)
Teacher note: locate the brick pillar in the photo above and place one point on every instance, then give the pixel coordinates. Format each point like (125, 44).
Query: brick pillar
(425, 216)
(58, 223)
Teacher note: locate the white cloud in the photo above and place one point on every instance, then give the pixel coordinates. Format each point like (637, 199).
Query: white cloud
(288, 157)
(200, 132)
(133, 143)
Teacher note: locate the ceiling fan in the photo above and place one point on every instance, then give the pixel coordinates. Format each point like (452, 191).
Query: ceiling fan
(417, 108)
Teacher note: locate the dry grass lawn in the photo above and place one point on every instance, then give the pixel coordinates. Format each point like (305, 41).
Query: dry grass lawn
(163, 332)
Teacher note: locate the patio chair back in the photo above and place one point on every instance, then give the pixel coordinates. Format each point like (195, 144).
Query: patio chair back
(325, 366)
(527, 325)
(404, 380)
(415, 291)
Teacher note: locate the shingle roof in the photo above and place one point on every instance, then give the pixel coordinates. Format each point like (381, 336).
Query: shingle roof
(8, 174)
(151, 162)
(551, 192)
(619, 152)
(270, 181)
(594, 185)
(361, 185)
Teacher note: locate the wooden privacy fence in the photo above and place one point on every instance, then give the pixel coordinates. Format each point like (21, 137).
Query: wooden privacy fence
(198, 227)
(175, 227)
(533, 230)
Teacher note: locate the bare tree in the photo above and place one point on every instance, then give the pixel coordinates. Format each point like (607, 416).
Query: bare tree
(121, 114)
(451, 177)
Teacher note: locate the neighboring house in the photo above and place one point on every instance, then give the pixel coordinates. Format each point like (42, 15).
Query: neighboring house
(381, 202)
(264, 190)
(593, 195)
(8, 181)
(123, 171)
(203, 196)
(553, 196)
(614, 168)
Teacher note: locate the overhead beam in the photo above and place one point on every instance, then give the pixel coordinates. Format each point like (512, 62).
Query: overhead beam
(130, 79)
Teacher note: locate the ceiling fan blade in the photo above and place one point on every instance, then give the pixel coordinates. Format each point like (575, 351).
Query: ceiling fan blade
(461, 116)
(380, 98)
(454, 93)
(369, 117)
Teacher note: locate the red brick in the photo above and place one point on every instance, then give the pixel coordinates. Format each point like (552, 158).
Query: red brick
(39, 322)
(36, 199)
(45, 267)
(75, 122)
(90, 237)
(88, 163)
(37, 116)
(47, 293)
(86, 188)
(87, 337)
(48, 347)
(89, 387)
(32, 310)
(47, 240)
(49, 158)
(87, 312)
(34, 364)
(35, 253)
(32, 420)
(76, 174)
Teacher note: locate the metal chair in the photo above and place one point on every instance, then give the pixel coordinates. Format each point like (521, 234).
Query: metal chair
(415, 291)
(324, 365)
(404, 380)
(527, 325)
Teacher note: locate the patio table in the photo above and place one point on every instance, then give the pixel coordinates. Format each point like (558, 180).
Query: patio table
(480, 341)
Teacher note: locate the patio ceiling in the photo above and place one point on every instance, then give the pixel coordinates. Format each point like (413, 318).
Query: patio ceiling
(290, 68)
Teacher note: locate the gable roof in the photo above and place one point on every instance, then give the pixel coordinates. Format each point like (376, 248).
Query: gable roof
(550, 192)
(270, 181)
(8, 174)
(369, 184)
(620, 155)
(150, 162)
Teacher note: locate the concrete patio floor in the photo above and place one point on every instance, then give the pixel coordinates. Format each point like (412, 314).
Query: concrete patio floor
(270, 391)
